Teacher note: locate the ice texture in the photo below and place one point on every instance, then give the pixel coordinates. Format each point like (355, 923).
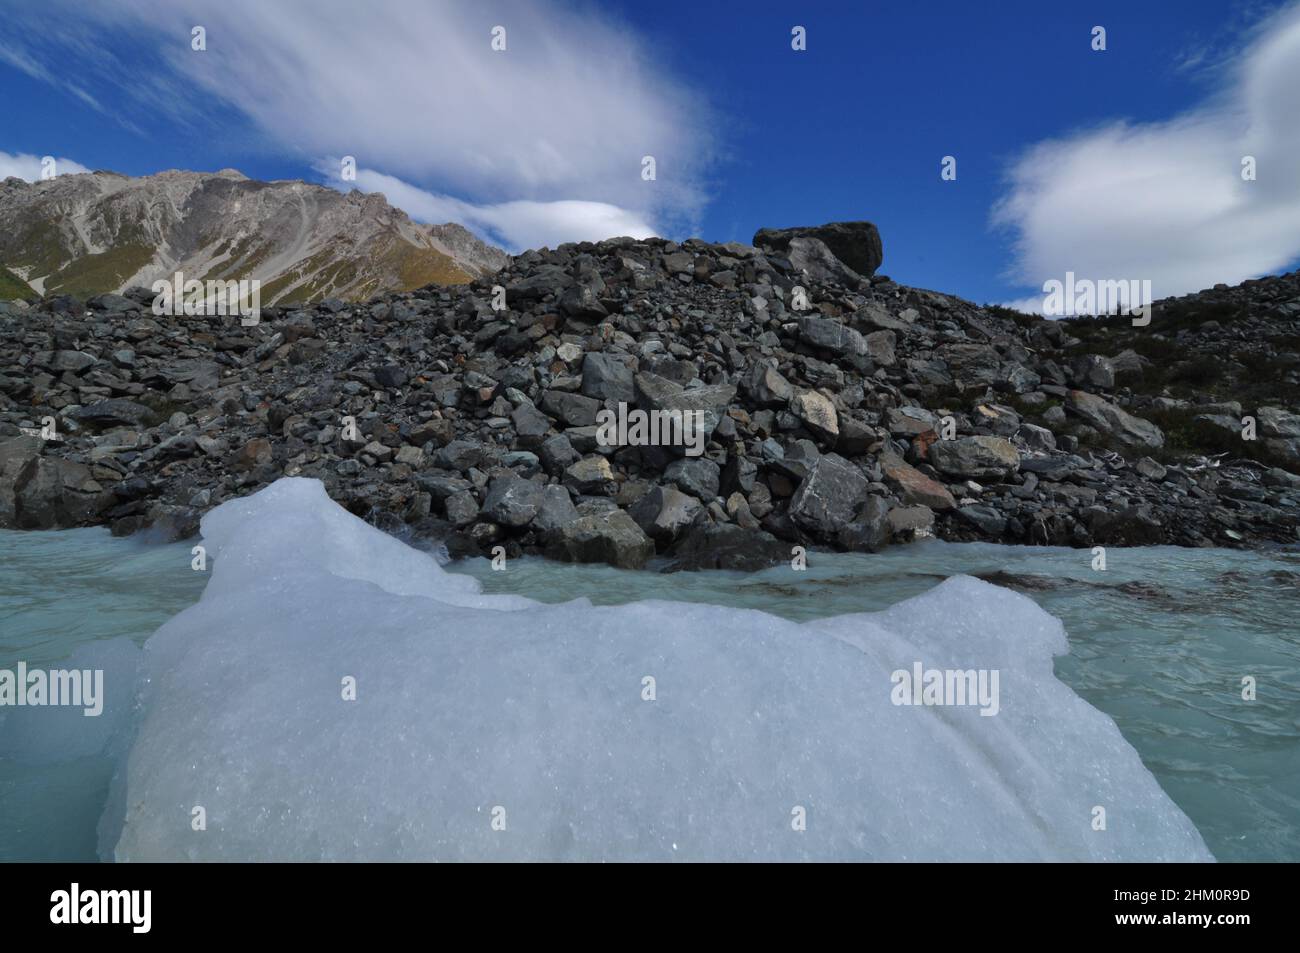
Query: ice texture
(474, 708)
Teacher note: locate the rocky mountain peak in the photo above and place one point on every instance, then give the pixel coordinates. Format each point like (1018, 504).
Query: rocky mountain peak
(102, 232)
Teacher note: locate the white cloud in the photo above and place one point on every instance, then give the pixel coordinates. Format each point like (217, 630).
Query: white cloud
(543, 142)
(28, 167)
(519, 224)
(1034, 304)
(1166, 201)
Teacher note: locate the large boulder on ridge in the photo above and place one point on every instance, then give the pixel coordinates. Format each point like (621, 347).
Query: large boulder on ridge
(856, 244)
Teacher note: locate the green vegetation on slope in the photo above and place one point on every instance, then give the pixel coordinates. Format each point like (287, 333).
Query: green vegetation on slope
(95, 274)
(11, 287)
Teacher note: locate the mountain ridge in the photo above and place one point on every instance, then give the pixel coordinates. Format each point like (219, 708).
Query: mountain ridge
(103, 232)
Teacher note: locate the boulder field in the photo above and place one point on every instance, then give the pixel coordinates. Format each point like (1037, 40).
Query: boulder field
(840, 410)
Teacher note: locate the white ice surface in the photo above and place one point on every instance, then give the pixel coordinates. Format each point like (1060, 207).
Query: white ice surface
(470, 702)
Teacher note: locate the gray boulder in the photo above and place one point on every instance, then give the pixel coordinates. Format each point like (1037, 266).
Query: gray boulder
(609, 536)
(512, 500)
(1111, 419)
(700, 477)
(727, 546)
(657, 393)
(462, 508)
(857, 244)
(829, 496)
(607, 377)
(53, 493)
(767, 387)
(576, 410)
(556, 511)
(829, 335)
(665, 512)
(870, 530)
(116, 412)
(531, 425)
(977, 458)
(1094, 371)
(817, 413)
(591, 475)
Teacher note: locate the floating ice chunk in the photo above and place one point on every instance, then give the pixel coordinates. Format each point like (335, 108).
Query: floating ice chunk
(489, 727)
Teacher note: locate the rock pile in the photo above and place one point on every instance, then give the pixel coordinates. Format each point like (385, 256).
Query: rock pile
(840, 409)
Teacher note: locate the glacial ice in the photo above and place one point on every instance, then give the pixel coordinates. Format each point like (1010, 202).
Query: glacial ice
(493, 727)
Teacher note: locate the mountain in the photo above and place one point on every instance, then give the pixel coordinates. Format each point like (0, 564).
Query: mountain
(833, 407)
(103, 232)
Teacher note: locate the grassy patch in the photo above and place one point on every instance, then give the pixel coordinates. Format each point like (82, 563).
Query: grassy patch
(11, 287)
(95, 274)
(1185, 435)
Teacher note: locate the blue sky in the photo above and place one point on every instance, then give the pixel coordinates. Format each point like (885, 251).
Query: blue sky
(1114, 164)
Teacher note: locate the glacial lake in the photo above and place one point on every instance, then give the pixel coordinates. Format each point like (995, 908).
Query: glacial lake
(1160, 641)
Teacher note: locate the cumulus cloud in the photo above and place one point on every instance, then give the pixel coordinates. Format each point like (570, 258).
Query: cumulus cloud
(518, 224)
(1167, 201)
(542, 142)
(28, 167)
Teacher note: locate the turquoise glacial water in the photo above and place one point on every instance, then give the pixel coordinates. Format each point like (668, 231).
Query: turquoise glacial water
(1160, 641)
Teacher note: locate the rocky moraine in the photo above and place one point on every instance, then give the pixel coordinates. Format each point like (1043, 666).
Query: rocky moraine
(840, 410)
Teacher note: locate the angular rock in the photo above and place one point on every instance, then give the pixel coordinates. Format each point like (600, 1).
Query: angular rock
(1036, 438)
(914, 487)
(606, 377)
(556, 511)
(590, 475)
(700, 477)
(909, 421)
(531, 425)
(880, 348)
(610, 536)
(857, 244)
(52, 493)
(829, 496)
(986, 518)
(1094, 371)
(576, 410)
(656, 393)
(1109, 418)
(976, 458)
(817, 413)
(831, 335)
(512, 500)
(767, 387)
(727, 546)
(870, 530)
(665, 512)
(115, 412)
(461, 508)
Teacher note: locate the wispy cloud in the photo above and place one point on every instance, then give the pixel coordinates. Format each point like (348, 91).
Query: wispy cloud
(1167, 201)
(537, 144)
